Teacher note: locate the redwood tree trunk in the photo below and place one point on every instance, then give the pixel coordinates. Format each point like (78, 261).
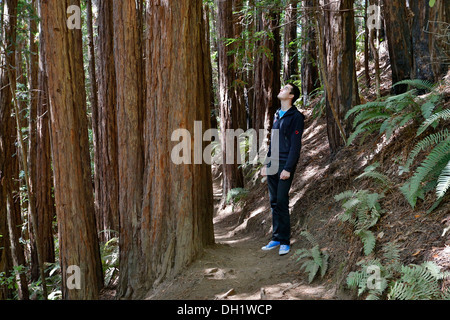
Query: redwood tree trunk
(9, 172)
(104, 126)
(165, 223)
(229, 106)
(267, 69)
(70, 148)
(398, 33)
(290, 62)
(339, 48)
(129, 110)
(45, 203)
(309, 72)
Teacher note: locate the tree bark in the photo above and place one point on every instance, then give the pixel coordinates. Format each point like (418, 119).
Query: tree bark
(43, 185)
(309, 71)
(339, 48)
(129, 110)
(165, 223)
(290, 63)
(104, 126)
(229, 106)
(9, 176)
(70, 148)
(399, 42)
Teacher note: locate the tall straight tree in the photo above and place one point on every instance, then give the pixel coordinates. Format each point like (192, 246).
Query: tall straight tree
(398, 33)
(177, 206)
(79, 248)
(104, 125)
(167, 222)
(309, 70)
(43, 185)
(11, 126)
(267, 67)
(290, 59)
(337, 34)
(229, 106)
(129, 110)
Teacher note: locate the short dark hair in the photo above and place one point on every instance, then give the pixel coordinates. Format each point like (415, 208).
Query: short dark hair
(296, 92)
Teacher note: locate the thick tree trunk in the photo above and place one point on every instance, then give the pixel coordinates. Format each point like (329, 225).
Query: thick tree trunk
(290, 59)
(398, 34)
(422, 67)
(104, 126)
(229, 106)
(45, 203)
(166, 223)
(438, 28)
(70, 148)
(9, 172)
(341, 84)
(129, 110)
(267, 70)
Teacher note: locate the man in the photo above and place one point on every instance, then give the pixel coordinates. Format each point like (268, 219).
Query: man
(288, 126)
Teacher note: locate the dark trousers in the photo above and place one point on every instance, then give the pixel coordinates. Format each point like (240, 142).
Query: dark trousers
(279, 202)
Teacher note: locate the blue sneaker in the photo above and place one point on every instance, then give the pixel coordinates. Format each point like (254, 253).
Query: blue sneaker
(271, 245)
(284, 249)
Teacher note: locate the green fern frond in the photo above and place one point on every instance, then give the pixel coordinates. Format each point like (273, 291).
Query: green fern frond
(371, 105)
(443, 181)
(310, 238)
(391, 253)
(382, 178)
(368, 239)
(442, 115)
(365, 127)
(371, 115)
(430, 105)
(440, 153)
(344, 195)
(417, 83)
(317, 256)
(432, 139)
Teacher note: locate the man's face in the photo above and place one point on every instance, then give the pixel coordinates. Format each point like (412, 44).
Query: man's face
(285, 93)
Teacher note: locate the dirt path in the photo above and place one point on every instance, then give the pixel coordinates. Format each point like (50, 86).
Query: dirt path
(236, 268)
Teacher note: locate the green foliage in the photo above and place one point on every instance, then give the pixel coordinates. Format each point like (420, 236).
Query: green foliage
(362, 210)
(383, 116)
(433, 172)
(109, 252)
(388, 114)
(371, 172)
(315, 259)
(236, 195)
(388, 278)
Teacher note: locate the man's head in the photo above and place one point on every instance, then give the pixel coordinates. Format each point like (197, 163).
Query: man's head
(289, 92)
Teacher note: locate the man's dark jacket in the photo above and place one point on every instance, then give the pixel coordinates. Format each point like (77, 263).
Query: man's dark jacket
(291, 127)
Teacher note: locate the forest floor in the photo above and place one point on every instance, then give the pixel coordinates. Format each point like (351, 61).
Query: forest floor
(236, 267)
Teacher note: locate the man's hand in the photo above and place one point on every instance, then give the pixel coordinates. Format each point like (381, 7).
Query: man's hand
(264, 171)
(285, 175)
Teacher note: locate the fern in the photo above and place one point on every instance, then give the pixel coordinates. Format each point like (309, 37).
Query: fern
(425, 143)
(435, 162)
(368, 240)
(443, 181)
(433, 119)
(316, 259)
(397, 281)
(384, 116)
(370, 172)
(362, 211)
(417, 83)
(418, 282)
